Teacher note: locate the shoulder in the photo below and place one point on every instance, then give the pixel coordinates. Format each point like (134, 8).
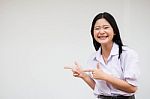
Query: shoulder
(129, 52)
(92, 56)
(91, 60)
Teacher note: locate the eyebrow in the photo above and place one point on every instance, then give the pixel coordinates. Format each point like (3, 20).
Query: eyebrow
(103, 25)
(106, 25)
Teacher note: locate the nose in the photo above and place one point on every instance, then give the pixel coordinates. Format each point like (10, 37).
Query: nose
(101, 31)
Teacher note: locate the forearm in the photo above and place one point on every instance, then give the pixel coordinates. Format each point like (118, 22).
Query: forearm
(89, 81)
(120, 84)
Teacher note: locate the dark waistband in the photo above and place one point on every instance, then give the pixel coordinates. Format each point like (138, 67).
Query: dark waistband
(116, 97)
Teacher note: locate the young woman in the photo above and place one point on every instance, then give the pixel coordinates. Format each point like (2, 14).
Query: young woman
(113, 68)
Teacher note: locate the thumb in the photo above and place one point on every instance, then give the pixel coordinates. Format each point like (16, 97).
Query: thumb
(77, 64)
(98, 65)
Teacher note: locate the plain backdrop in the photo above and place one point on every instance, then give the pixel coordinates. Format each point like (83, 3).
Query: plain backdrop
(39, 37)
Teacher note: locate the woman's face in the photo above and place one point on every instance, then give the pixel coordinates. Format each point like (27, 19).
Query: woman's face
(103, 32)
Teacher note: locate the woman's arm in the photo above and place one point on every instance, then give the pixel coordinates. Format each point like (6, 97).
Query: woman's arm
(89, 81)
(116, 82)
(78, 72)
(120, 84)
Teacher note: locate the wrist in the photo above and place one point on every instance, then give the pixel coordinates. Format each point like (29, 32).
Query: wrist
(84, 76)
(107, 77)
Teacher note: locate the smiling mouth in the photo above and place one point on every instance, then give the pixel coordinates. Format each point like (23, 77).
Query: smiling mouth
(102, 37)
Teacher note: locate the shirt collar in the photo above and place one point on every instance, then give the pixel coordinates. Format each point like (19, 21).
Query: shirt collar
(114, 51)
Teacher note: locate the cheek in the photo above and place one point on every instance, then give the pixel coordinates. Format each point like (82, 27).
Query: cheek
(112, 37)
(95, 34)
(111, 33)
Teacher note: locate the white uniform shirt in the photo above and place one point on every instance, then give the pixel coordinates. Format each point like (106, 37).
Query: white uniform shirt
(125, 68)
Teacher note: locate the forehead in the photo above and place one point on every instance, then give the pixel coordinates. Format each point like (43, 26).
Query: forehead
(102, 22)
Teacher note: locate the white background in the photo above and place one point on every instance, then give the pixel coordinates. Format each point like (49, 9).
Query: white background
(39, 37)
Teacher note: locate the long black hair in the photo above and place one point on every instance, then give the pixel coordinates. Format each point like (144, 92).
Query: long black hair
(112, 22)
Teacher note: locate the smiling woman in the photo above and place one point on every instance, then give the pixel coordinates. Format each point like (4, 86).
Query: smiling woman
(103, 32)
(113, 68)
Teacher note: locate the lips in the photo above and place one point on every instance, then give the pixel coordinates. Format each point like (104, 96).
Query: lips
(102, 37)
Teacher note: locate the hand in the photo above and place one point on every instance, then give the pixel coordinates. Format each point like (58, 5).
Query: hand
(97, 73)
(77, 71)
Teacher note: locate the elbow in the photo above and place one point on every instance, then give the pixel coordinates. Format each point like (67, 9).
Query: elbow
(132, 89)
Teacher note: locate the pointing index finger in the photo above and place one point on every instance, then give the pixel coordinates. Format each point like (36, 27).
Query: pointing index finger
(87, 70)
(66, 67)
(77, 64)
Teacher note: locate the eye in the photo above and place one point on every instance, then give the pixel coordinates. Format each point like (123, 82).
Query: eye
(106, 27)
(96, 28)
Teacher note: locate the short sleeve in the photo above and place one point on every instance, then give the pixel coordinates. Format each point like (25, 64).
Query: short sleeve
(131, 69)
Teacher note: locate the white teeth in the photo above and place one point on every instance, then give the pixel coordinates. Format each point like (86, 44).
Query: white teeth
(103, 37)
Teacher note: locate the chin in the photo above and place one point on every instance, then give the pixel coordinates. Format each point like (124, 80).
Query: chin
(103, 42)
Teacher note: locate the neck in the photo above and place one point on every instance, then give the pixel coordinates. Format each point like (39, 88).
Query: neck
(106, 49)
